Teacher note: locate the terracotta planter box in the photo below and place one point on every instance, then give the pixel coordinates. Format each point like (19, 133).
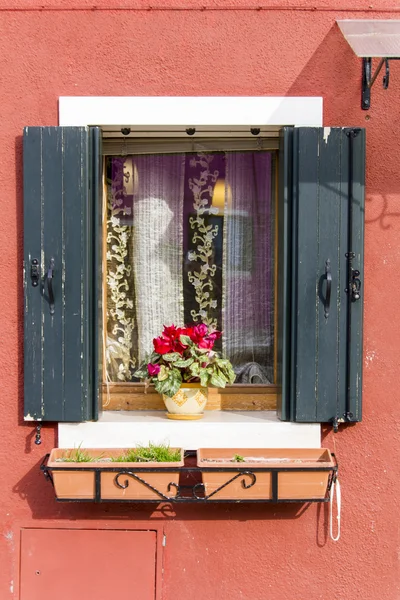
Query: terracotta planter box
(294, 470)
(77, 480)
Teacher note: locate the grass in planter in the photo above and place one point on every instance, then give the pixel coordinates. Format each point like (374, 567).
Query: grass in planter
(151, 453)
(238, 458)
(79, 456)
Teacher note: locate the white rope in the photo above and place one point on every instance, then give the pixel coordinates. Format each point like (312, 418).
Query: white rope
(335, 487)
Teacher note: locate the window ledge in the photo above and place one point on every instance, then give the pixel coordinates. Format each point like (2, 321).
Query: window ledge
(217, 429)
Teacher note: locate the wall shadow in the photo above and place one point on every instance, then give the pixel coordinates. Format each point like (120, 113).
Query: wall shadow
(38, 493)
(334, 72)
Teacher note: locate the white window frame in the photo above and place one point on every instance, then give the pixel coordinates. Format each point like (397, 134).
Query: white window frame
(217, 429)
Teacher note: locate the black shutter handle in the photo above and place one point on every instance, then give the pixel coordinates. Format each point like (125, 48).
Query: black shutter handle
(49, 279)
(328, 277)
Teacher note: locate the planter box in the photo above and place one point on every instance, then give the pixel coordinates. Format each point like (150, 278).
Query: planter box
(77, 480)
(285, 474)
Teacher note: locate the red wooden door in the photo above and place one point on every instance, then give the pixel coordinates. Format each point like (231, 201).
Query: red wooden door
(87, 564)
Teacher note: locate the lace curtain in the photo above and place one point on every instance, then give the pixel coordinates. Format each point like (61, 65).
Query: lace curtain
(248, 267)
(190, 239)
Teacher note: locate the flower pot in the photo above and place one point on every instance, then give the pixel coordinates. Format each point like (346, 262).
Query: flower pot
(299, 473)
(187, 403)
(77, 480)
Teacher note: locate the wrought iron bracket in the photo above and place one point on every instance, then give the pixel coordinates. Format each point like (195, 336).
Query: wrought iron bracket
(368, 79)
(196, 492)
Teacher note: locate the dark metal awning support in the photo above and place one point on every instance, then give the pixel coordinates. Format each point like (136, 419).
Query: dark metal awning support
(372, 38)
(368, 79)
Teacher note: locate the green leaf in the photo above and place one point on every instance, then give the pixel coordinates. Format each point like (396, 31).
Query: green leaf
(225, 367)
(222, 362)
(163, 374)
(204, 377)
(185, 340)
(162, 386)
(171, 356)
(183, 363)
(232, 376)
(218, 380)
(169, 387)
(141, 373)
(175, 373)
(194, 369)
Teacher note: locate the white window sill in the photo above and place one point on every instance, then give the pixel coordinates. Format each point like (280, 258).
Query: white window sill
(217, 429)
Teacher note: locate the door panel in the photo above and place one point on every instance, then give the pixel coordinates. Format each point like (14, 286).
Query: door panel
(61, 564)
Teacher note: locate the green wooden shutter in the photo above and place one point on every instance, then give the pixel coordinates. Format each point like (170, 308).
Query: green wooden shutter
(61, 168)
(321, 218)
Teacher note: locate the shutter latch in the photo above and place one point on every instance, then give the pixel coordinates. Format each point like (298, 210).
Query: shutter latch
(35, 274)
(355, 285)
(355, 281)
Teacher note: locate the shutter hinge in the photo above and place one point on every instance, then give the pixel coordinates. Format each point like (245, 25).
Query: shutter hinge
(352, 132)
(346, 418)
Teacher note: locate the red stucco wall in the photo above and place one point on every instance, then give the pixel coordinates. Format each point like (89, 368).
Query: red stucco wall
(233, 552)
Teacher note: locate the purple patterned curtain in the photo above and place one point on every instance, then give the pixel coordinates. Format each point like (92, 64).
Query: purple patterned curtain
(190, 238)
(248, 320)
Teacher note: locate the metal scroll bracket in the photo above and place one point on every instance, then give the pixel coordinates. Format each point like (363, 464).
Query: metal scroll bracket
(368, 79)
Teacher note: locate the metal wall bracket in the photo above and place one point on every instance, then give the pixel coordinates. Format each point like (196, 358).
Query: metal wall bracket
(368, 79)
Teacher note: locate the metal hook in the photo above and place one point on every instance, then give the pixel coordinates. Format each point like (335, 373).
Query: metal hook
(38, 436)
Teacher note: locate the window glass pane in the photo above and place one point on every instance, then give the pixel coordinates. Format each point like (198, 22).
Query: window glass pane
(190, 238)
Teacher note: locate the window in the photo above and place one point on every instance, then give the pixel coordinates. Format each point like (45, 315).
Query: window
(318, 323)
(190, 237)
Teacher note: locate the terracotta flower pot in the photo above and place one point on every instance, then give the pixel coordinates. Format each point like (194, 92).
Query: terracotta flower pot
(77, 480)
(296, 474)
(187, 403)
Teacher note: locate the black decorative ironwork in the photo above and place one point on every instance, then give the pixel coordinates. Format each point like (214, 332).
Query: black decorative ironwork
(196, 493)
(368, 79)
(124, 485)
(246, 486)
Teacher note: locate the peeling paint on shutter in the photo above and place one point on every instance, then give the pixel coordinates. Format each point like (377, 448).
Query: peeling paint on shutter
(321, 249)
(58, 234)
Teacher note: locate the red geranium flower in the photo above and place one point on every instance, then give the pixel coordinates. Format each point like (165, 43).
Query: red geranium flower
(172, 335)
(200, 336)
(162, 345)
(153, 369)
